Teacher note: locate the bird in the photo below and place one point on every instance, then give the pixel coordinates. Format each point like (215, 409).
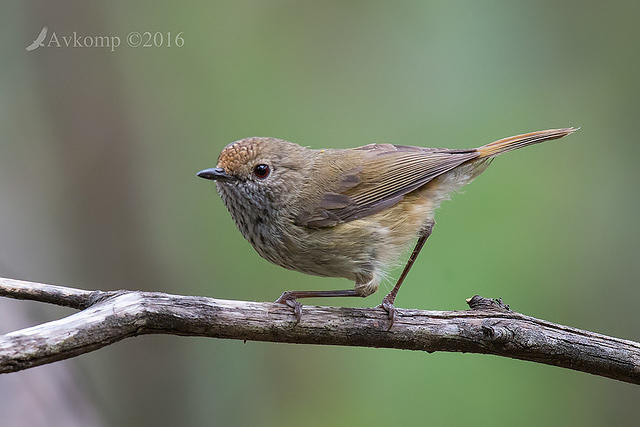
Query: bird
(38, 42)
(349, 213)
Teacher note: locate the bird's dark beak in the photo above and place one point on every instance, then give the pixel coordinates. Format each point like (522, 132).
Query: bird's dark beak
(214, 174)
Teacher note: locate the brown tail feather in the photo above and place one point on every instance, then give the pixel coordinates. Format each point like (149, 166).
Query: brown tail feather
(514, 142)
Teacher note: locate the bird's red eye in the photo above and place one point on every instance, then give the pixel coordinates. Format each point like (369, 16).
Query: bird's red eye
(261, 171)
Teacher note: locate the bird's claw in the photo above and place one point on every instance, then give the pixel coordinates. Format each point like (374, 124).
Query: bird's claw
(292, 302)
(387, 305)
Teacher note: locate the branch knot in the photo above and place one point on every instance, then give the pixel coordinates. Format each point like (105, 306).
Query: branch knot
(478, 302)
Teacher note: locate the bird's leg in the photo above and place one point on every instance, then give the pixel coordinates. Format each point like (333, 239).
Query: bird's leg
(387, 301)
(290, 298)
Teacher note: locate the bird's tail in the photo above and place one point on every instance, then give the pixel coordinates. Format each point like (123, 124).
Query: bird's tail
(514, 142)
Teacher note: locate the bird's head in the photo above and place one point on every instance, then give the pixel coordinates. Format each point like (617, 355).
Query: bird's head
(259, 172)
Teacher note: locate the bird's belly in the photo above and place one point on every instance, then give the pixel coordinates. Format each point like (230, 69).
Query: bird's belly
(356, 250)
(316, 252)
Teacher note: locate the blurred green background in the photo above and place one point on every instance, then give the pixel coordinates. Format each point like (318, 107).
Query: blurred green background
(98, 152)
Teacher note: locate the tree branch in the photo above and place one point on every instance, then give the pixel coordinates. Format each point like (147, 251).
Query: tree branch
(489, 327)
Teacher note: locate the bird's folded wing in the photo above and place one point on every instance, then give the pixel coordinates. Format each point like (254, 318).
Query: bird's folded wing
(384, 176)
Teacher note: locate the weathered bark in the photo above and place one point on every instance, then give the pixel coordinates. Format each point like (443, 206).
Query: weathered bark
(489, 327)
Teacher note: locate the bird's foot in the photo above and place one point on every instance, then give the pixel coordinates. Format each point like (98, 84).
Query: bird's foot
(387, 305)
(290, 300)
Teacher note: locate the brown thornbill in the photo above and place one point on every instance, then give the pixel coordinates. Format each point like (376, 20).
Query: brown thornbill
(345, 213)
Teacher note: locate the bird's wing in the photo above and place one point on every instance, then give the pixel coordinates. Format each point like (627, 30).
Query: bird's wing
(384, 175)
(41, 36)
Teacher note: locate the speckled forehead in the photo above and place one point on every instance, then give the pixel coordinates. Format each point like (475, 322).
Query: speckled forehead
(237, 154)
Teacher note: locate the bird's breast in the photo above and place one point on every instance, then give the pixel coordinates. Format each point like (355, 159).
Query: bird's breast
(261, 224)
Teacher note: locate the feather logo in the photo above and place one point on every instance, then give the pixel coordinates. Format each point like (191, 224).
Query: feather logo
(38, 42)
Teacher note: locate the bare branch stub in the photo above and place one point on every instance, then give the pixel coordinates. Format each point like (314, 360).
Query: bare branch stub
(489, 327)
(52, 294)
